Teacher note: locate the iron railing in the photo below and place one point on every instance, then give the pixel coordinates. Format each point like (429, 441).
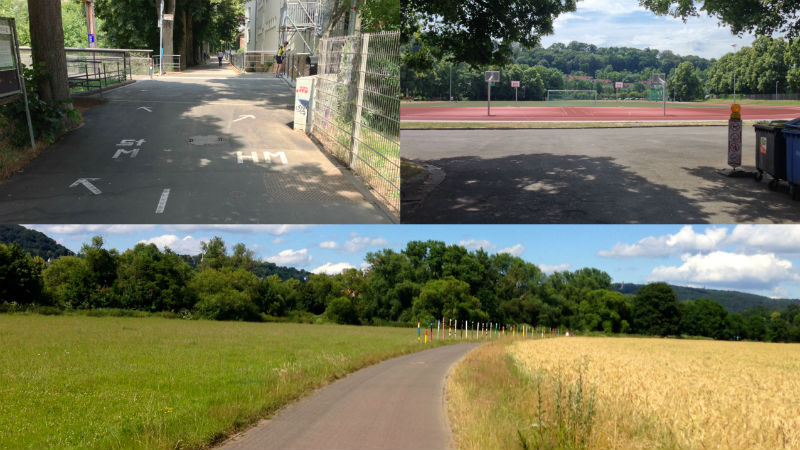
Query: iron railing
(95, 69)
(356, 110)
(172, 63)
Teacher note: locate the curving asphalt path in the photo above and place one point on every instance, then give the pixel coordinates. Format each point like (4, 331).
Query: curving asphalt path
(397, 404)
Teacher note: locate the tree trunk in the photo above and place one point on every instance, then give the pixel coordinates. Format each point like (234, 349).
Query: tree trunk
(167, 26)
(47, 50)
(187, 38)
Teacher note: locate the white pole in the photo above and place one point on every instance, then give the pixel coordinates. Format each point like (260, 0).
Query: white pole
(161, 39)
(451, 81)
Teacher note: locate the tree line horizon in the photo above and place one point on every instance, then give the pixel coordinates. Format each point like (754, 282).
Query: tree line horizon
(425, 280)
(567, 66)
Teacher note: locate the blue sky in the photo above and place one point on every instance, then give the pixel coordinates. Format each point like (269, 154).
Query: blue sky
(623, 23)
(761, 259)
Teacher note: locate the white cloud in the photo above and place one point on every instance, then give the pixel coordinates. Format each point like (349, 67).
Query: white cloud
(685, 240)
(291, 258)
(275, 230)
(184, 246)
(333, 268)
(360, 243)
(624, 23)
(477, 244)
(555, 268)
(733, 270)
(514, 250)
(783, 239)
(89, 229)
(329, 244)
(278, 240)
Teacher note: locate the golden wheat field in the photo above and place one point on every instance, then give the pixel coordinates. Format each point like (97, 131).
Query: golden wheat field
(652, 393)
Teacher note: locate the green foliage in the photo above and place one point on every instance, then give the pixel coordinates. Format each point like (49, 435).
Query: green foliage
(704, 317)
(20, 276)
(758, 68)
(68, 281)
(48, 120)
(762, 18)
(154, 281)
(341, 310)
(684, 84)
(33, 242)
(226, 294)
(128, 23)
(476, 32)
(655, 310)
(550, 65)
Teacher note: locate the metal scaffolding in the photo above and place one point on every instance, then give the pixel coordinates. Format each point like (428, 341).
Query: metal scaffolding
(299, 17)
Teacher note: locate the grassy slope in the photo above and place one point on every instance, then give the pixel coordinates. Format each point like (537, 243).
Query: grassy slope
(83, 382)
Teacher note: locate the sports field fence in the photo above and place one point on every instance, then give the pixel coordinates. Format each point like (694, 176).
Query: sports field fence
(356, 110)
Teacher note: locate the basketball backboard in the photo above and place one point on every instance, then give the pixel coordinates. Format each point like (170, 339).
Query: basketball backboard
(492, 76)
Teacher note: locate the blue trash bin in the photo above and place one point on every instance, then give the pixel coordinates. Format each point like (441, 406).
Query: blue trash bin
(791, 131)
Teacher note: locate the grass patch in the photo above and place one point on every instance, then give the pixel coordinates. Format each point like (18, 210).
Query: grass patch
(557, 125)
(409, 169)
(13, 158)
(745, 101)
(494, 403)
(152, 383)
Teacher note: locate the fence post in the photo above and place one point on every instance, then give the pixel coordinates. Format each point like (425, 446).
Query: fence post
(362, 74)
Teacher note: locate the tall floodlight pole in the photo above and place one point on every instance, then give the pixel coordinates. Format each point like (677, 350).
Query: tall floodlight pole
(734, 73)
(161, 39)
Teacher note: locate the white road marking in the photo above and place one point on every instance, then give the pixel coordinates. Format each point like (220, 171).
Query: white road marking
(248, 116)
(121, 151)
(130, 142)
(145, 108)
(267, 157)
(240, 158)
(86, 182)
(282, 156)
(162, 202)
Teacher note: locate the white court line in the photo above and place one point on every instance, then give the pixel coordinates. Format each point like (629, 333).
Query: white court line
(162, 202)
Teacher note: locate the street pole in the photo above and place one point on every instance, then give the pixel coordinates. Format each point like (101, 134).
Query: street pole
(90, 23)
(451, 81)
(161, 39)
(734, 73)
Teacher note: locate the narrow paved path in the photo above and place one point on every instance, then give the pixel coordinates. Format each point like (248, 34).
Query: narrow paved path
(204, 146)
(397, 404)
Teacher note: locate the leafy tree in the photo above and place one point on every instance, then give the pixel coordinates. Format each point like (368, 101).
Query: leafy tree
(604, 310)
(341, 310)
(101, 263)
(151, 280)
(704, 317)
(760, 17)
(20, 276)
(684, 84)
(477, 32)
(449, 298)
(226, 294)
(68, 281)
(655, 310)
(32, 241)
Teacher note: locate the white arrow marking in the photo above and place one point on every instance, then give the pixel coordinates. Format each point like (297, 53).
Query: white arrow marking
(248, 116)
(120, 151)
(89, 186)
(162, 202)
(145, 108)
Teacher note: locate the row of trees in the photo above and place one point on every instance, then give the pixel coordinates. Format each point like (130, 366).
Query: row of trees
(425, 280)
(770, 64)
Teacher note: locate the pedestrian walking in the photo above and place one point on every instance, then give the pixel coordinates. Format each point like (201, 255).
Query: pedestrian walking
(279, 58)
(219, 57)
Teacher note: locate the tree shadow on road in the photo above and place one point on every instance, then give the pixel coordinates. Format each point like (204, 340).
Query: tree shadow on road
(747, 200)
(548, 188)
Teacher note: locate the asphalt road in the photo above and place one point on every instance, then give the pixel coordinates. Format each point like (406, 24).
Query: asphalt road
(397, 404)
(204, 146)
(632, 175)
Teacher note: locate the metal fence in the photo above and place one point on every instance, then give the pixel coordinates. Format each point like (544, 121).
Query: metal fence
(172, 63)
(779, 96)
(254, 61)
(356, 108)
(94, 69)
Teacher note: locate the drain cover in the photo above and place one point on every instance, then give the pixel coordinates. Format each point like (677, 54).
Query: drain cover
(205, 140)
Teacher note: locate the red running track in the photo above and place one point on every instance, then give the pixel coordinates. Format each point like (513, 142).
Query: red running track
(589, 114)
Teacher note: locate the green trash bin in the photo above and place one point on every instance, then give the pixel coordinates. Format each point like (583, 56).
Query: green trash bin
(791, 131)
(770, 151)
